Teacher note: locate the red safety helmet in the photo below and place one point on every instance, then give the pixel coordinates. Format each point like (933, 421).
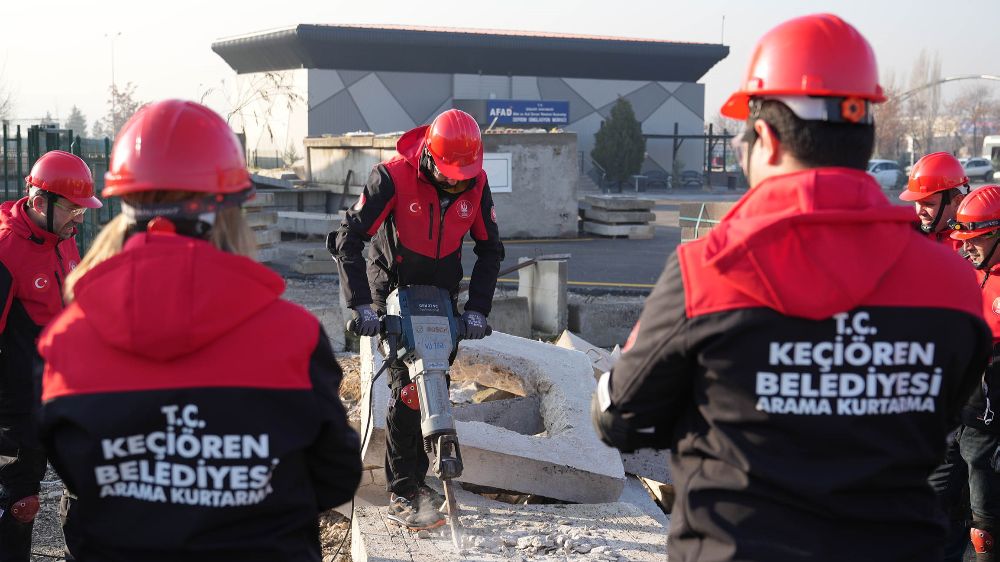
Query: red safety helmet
(978, 214)
(455, 144)
(176, 145)
(820, 56)
(66, 175)
(935, 172)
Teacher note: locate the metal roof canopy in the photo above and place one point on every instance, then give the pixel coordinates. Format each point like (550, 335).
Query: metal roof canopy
(468, 52)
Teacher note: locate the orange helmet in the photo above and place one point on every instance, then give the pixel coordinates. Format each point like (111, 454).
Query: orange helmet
(820, 66)
(978, 214)
(455, 144)
(935, 172)
(176, 145)
(66, 175)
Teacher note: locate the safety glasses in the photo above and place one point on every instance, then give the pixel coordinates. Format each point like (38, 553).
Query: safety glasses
(73, 211)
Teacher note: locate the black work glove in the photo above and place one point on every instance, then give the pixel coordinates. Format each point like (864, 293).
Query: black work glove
(475, 325)
(365, 321)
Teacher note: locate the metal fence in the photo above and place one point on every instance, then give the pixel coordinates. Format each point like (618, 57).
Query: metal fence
(21, 149)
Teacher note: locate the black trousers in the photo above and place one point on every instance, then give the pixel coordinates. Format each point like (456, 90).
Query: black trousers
(968, 485)
(21, 473)
(406, 463)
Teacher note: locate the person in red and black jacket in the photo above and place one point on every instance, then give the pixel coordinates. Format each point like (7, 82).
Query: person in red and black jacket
(193, 412)
(792, 360)
(973, 456)
(37, 252)
(417, 208)
(935, 188)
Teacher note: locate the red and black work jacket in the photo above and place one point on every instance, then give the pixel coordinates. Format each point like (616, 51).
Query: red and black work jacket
(193, 412)
(416, 240)
(797, 367)
(984, 405)
(33, 265)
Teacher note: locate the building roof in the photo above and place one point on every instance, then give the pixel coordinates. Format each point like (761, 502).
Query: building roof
(468, 51)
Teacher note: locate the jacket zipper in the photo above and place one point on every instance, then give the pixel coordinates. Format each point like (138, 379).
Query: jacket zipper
(58, 279)
(444, 211)
(430, 222)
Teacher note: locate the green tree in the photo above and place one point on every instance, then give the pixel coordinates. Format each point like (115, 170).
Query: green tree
(619, 146)
(77, 122)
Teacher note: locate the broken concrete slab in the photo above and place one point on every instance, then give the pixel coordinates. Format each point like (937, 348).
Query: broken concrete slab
(604, 324)
(496, 531)
(649, 463)
(600, 358)
(632, 231)
(520, 414)
(262, 219)
(636, 493)
(317, 224)
(544, 284)
(566, 461)
(510, 315)
(266, 237)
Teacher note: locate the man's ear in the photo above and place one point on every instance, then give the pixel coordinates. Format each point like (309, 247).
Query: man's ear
(769, 143)
(37, 204)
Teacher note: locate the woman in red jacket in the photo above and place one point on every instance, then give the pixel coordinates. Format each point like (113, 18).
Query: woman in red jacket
(192, 411)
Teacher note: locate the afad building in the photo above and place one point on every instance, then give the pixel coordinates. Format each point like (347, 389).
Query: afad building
(334, 79)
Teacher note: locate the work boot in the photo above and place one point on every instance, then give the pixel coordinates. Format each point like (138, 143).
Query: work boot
(403, 512)
(429, 496)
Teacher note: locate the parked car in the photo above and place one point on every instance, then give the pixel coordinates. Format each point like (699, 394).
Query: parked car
(978, 169)
(887, 173)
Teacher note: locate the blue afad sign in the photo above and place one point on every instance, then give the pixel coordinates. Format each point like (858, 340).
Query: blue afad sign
(527, 112)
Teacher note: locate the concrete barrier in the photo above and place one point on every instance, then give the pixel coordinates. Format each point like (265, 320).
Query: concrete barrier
(308, 224)
(603, 324)
(544, 284)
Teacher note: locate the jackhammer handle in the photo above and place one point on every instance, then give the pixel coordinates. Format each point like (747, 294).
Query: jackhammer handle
(460, 325)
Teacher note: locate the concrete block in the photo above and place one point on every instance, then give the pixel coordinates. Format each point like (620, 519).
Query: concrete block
(702, 213)
(604, 324)
(332, 319)
(319, 224)
(619, 203)
(315, 267)
(267, 255)
(510, 315)
(637, 494)
(267, 237)
(544, 284)
(689, 233)
(618, 217)
(566, 461)
(261, 199)
(495, 531)
(633, 231)
(261, 219)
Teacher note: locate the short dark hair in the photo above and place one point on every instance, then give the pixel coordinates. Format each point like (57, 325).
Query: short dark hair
(817, 144)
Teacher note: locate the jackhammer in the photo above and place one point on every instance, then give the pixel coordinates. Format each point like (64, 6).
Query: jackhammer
(420, 329)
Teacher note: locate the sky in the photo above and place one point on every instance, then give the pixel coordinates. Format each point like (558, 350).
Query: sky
(57, 54)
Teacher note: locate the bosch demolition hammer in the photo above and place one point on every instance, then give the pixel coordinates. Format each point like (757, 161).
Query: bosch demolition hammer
(420, 329)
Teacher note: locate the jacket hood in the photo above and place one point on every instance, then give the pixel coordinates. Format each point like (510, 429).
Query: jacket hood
(166, 296)
(14, 217)
(829, 222)
(410, 145)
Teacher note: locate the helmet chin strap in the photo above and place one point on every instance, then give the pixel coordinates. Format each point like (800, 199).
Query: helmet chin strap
(945, 201)
(985, 264)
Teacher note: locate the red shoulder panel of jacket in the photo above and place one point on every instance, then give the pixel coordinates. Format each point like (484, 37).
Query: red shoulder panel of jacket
(417, 212)
(272, 349)
(991, 300)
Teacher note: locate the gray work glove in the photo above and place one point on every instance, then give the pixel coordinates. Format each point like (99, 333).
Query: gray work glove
(475, 325)
(365, 321)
